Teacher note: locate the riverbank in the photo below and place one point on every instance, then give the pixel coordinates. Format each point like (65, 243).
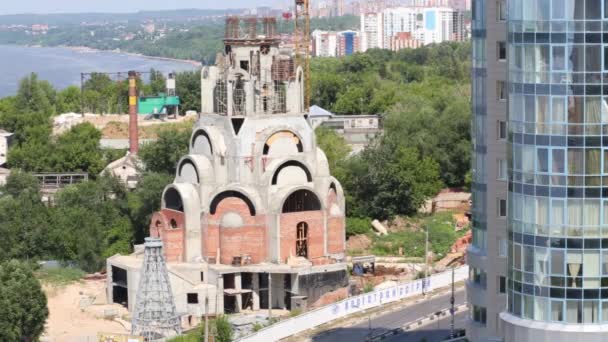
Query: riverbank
(86, 49)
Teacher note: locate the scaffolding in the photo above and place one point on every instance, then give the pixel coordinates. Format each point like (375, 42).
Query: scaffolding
(155, 317)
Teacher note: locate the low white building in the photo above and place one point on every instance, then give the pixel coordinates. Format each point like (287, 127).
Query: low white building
(126, 168)
(5, 142)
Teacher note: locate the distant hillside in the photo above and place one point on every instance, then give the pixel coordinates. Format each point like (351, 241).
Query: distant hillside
(61, 19)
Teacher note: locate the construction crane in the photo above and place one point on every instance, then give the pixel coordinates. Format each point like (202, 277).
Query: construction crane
(302, 44)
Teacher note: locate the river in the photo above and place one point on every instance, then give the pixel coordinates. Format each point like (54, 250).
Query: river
(63, 66)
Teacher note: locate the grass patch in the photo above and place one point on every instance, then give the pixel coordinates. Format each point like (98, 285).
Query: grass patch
(193, 336)
(295, 312)
(60, 276)
(441, 237)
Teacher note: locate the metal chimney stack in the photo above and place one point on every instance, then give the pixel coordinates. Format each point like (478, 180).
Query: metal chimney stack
(133, 131)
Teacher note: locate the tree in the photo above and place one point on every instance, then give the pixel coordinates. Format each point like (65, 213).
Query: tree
(162, 155)
(35, 96)
(23, 219)
(335, 147)
(19, 182)
(438, 124)
(145, 200)
(188, 88)
(24, 306)
(78, 150)
(389, 181)
(69, 100)
(90, 223)
(158, 83)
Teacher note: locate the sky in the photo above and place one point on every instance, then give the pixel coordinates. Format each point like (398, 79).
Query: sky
(67, 6)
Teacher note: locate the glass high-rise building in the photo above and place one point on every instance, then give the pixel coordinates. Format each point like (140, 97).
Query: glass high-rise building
(539, 261)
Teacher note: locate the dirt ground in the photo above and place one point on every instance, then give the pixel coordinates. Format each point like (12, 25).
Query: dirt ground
(117, 126)
(76, 312)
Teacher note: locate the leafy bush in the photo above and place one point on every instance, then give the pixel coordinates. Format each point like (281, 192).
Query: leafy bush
(223, 329)
(356, 226)
(24, 305)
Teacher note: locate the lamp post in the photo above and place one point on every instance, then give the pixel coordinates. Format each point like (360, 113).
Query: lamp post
(426, 258)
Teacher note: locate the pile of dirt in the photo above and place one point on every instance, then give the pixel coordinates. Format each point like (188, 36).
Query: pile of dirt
(358, 243)
(383, 270)
(403, 223)
(116, 130)
(331, 297)
(77, 312)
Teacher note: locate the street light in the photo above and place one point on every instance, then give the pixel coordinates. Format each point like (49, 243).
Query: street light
(426, 258)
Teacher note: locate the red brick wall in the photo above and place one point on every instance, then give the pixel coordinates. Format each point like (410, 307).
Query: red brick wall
(288, 233)
(173, 238)
(335, 226)
(335, 234)
(250, 239)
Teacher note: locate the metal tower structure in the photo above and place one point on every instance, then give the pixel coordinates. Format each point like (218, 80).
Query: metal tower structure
(302, 44)
(155, 316)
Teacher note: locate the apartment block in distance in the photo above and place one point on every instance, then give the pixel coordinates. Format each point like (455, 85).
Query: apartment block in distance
(539, 258)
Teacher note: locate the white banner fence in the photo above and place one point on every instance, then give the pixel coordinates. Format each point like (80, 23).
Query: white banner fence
(351, 305)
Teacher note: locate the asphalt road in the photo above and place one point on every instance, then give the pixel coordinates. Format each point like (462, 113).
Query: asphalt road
(391, 320)
(434, 332)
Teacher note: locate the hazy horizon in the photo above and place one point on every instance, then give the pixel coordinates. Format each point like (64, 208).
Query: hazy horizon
(121, 6)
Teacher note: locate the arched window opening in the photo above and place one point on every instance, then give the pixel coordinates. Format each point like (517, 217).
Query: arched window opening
(291, 163)
(188, 172)
(220, 93)
(332, 186)
(287, 141)
(239, 97)
(302, 240)
(301, 200)
(173, 224)
(173, 200)
(201, 144)
(227, 194)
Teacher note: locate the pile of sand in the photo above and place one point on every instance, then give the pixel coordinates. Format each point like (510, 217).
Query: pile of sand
(76, 312)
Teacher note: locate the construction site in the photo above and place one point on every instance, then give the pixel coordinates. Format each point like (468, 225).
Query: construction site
(253, 220)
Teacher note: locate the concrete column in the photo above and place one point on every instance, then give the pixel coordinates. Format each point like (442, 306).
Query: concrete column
(237, 286)
(229, 97)
(250, 98)
(219, 295)
(256, 291)
(269, 295)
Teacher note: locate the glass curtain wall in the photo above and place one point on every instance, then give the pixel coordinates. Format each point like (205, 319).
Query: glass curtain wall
(558, 165)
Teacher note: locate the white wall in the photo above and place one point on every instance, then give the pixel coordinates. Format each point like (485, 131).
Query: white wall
(353, 305)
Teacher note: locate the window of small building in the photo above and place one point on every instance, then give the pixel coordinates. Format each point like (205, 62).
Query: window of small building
(202, 276)
(192, 298)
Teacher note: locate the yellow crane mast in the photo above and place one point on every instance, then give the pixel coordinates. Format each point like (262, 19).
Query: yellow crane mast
(302, 44)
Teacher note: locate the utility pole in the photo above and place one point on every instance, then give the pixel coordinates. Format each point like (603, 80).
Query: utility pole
(452, 308)
(426, 259)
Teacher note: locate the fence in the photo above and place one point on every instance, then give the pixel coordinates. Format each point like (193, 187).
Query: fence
(314, 318)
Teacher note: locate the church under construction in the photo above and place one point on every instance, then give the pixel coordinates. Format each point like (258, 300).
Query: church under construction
(253, 218)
